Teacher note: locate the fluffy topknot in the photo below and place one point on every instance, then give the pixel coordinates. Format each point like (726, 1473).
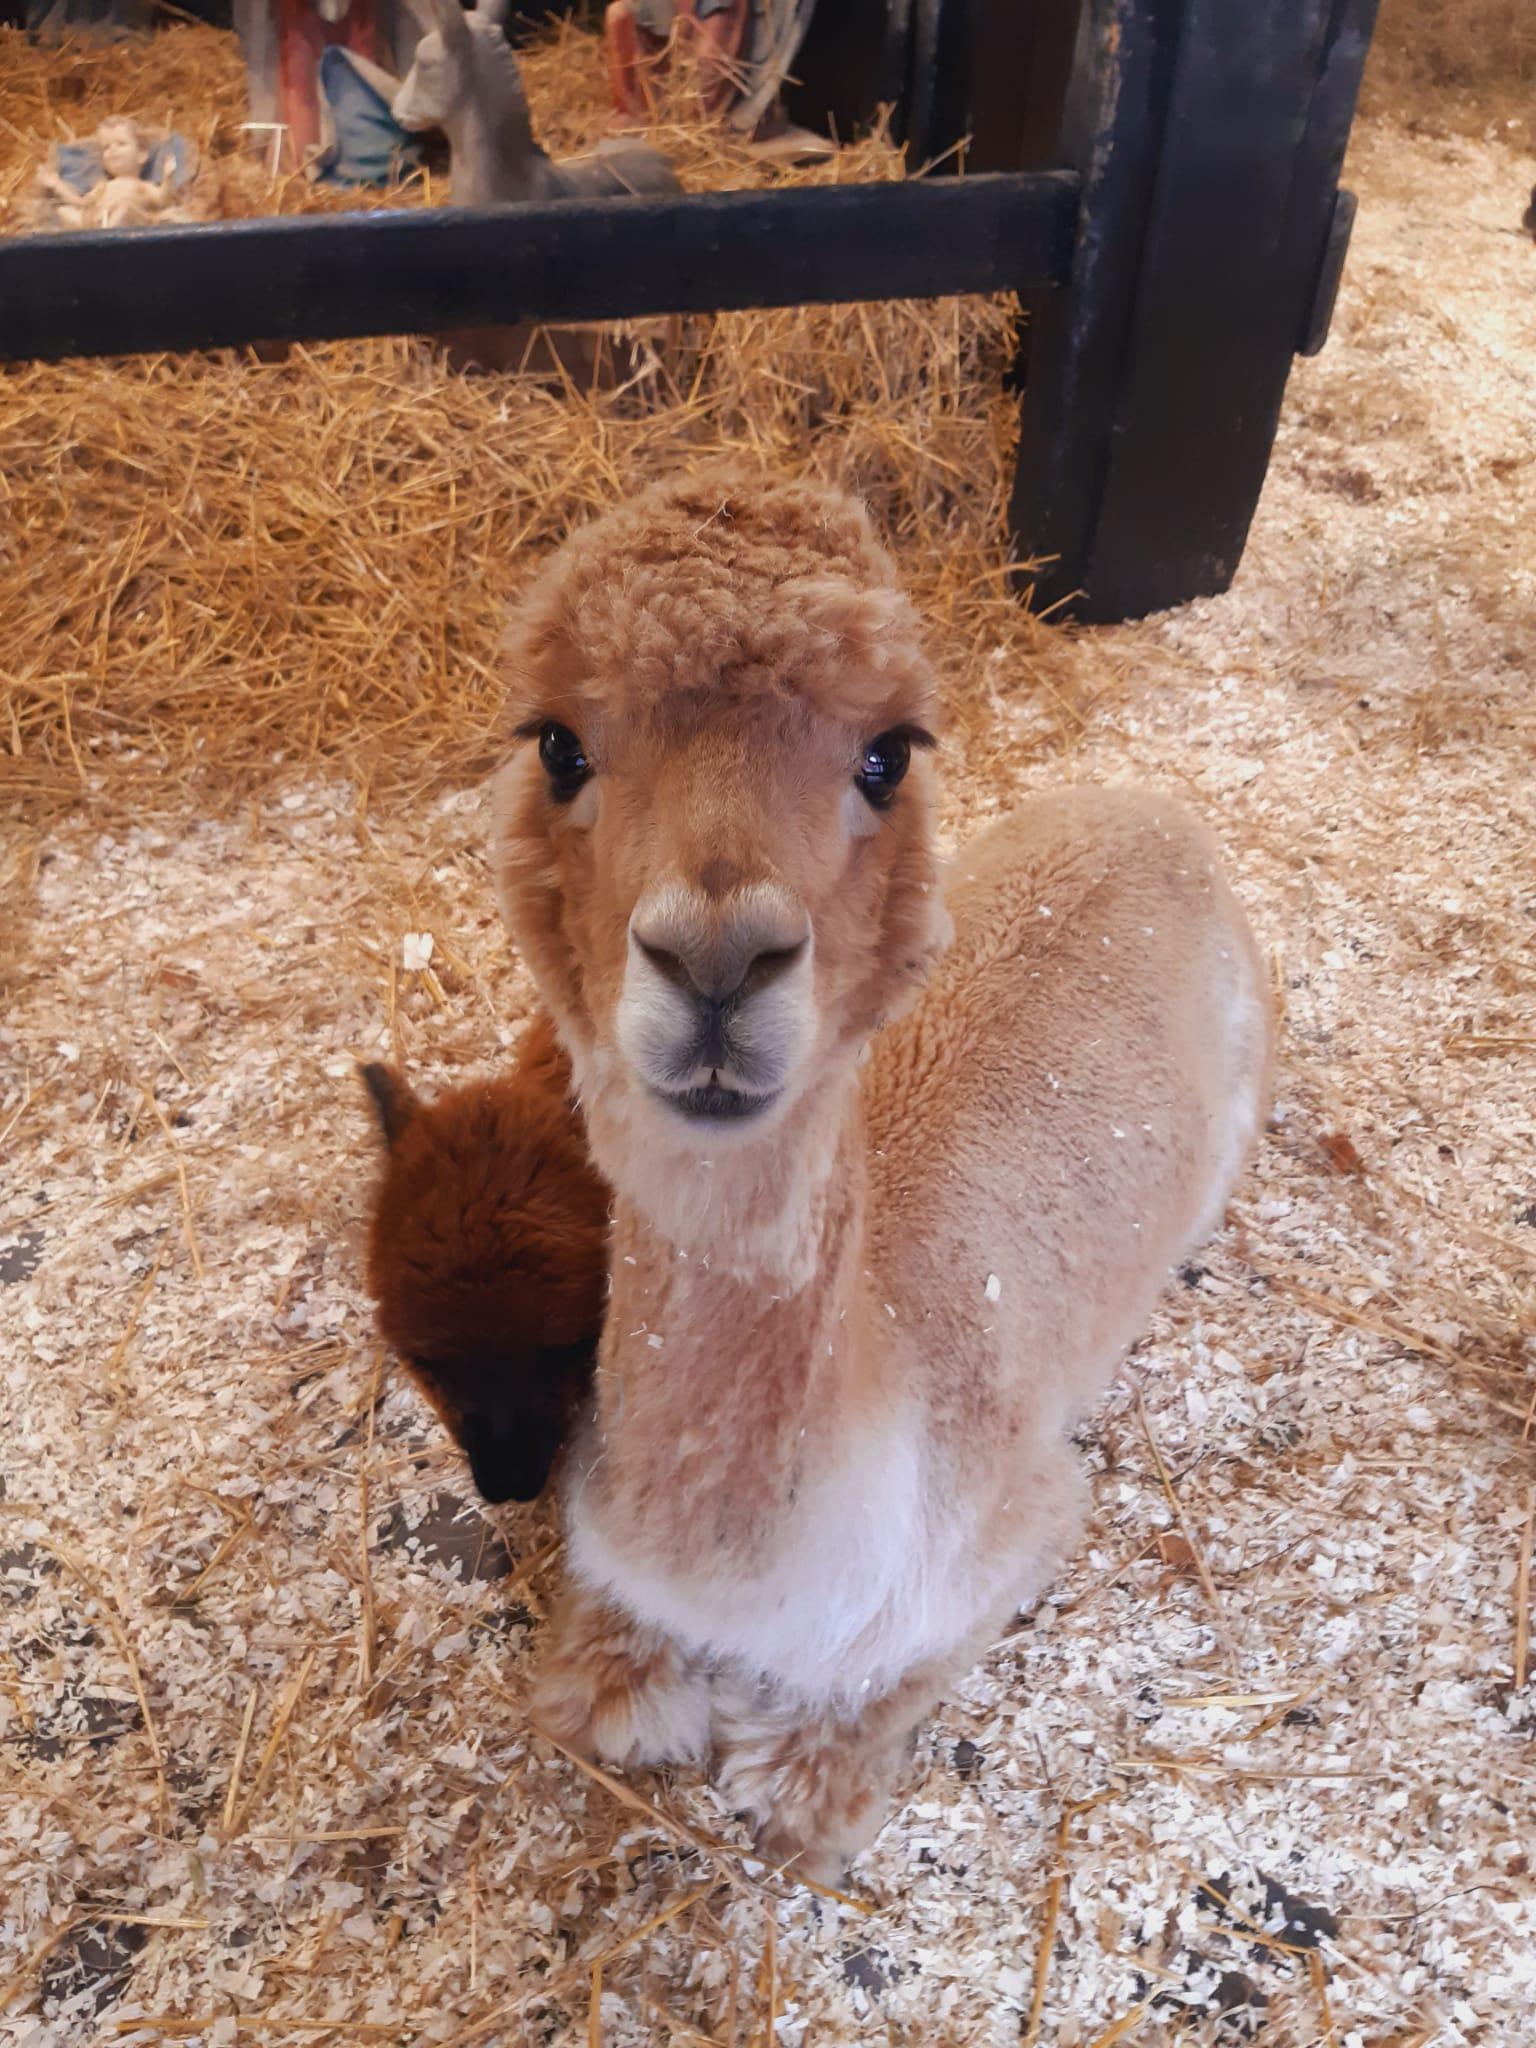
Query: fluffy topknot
(723, 580)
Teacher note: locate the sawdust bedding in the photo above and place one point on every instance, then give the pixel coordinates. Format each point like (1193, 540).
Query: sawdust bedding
(1261, 1765)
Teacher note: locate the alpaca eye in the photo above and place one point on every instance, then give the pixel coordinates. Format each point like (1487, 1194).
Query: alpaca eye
(564, 761)
(884, 764)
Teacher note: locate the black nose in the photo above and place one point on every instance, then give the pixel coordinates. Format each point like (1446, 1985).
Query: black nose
(511, 1460)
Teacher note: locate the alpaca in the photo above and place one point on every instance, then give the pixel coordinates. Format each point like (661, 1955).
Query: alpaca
(828, 1452)
(465, 80)
(488, 1259)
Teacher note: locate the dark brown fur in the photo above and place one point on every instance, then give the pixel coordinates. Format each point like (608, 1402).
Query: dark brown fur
(488, 1258)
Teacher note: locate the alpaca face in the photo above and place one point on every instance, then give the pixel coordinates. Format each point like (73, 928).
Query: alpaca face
(508, 1407)
(714, 838)
(488, 1260)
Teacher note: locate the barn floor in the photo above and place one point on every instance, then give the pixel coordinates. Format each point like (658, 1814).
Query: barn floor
(1262, 1765)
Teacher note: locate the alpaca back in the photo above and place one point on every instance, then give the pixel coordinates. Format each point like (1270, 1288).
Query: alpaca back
(1065, 1115)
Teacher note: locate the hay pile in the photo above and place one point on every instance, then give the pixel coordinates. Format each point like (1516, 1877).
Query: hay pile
(213, 568)
(264, 1769)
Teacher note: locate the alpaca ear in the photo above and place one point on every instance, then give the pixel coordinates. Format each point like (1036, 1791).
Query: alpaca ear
(426, 20)
(392, 1099)
(492, 12)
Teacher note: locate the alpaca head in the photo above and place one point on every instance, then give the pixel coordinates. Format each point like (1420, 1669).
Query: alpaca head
(487, 1257)
(442, 77)
(714, 834)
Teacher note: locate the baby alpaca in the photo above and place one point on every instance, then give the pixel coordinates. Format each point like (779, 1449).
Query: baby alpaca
(487, 1256)
(853, 1314)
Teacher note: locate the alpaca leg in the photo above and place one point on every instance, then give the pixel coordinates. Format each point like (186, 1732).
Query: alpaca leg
(614, 1688)
(817, 1785)
(1043, 1526)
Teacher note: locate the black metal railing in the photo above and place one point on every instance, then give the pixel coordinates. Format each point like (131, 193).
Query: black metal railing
(425, 271)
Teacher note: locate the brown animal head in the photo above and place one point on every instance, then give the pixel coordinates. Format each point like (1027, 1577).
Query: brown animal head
(714, 840)
(487, 1256)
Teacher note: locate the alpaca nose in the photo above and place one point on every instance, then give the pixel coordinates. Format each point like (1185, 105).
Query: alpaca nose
(510, 1459)
(717, 978)
(721, 955)
(717, 1011)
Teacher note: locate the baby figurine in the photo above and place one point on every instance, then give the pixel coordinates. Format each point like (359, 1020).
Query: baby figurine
(124, 198)
(122, 148)
(488, 1258)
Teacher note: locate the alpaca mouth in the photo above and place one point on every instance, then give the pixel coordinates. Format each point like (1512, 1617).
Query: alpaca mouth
(713, 1102)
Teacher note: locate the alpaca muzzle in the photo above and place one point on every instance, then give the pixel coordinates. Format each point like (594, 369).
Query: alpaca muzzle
(716, 1011)
(510, 1459)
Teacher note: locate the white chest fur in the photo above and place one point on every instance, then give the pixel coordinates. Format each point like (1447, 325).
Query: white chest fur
(857, 1585)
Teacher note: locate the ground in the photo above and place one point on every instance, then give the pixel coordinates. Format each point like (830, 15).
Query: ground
(1262, 1764)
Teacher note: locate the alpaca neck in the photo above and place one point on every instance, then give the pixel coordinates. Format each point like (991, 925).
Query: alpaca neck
(748, 1301)
(758, 1209)
(490, 138)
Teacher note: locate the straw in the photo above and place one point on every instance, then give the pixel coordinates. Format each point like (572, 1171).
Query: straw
(221, 570)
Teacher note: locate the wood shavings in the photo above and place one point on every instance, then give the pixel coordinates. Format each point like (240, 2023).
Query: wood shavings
(325, 1647)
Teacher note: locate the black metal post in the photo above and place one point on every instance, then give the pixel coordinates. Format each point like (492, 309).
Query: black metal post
(1209, 136)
